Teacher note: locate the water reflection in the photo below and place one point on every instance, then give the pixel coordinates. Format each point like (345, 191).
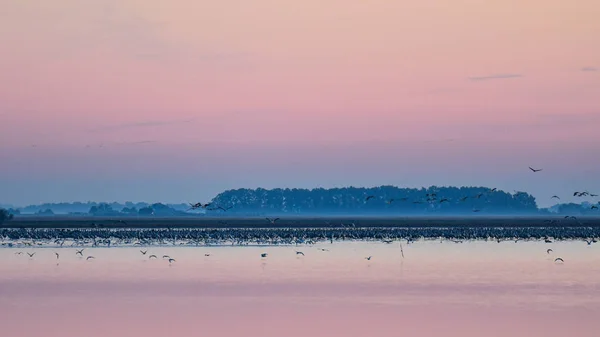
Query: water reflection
(469, 289)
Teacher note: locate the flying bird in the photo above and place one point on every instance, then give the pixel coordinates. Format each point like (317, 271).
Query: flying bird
(389, 201)
(548, 251)
(143, 252)
(89, 257)
(171, 260)
(369, 197)
(31, 254)
(272, 221)
(166, 257)
(80, 252)
(594, 207)
(57, 256)
(19, 253)
(476, 210)
(555, 197)
(152, 256)
(464, 198)
(299, 253)
(493, 189)
(263, 255)
(324, 249)
(368, 258)
(534, 170)
(558, 259)
(444, 200)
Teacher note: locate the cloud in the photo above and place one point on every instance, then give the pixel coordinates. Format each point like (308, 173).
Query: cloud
(141, 142)
(589, 69)
(140, 125)
(494, 77)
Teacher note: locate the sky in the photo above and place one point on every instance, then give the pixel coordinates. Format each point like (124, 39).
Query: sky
(147, 100)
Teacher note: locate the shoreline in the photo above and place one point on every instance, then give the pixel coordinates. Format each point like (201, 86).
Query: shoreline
(230, 222)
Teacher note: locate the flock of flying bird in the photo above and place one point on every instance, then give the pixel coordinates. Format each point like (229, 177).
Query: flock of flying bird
(168, 258)
(301, 236)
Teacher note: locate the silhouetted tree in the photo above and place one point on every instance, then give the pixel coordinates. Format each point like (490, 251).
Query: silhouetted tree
(146, 211)
(103, 210)
(5, 215)
(353, 200)
(46, 212)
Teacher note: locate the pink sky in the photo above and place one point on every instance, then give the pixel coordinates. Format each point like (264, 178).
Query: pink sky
(324, 75)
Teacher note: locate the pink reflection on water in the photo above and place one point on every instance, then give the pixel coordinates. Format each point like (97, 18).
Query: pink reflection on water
(469, 289)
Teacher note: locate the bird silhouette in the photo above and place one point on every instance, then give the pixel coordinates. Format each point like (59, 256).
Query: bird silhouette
(558, 259)
(57, 256)
(89, 257)
(548, 251)
(152, 256)
(368, 258)
(534, 170)
(171, 260)
(80, 252)
(143, 252)
(369, 198)
(299, 253)
(263, 255)
(555, 197)
(31, 254)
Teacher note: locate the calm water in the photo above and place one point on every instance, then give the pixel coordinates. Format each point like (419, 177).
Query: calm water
(469, 289)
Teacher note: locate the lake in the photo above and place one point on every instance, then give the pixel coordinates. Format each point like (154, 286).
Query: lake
(474, 288)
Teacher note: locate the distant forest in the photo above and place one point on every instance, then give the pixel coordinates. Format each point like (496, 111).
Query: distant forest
(383, 200)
